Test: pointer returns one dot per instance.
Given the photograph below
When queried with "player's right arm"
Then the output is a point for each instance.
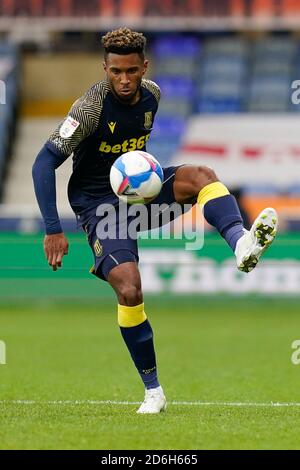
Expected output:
(81, 121)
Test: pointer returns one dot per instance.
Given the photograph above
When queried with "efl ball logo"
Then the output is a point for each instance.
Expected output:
(136, 177)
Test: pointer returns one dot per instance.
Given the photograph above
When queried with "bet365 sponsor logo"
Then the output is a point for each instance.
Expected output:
(129, 145)
(2, 353)
(295, 358)
(2, 92)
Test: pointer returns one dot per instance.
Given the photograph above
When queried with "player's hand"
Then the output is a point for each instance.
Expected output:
(55, 247)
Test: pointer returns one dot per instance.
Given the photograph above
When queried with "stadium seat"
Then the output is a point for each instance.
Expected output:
(169, 126)
(176, 46)
(226, 45)
(218, 105)
(163, 148)
(170, 107)
(175, 66)
(221, 67)
(275, 48)
(270, 94)
(179, 86)
(221, 75)
(175, 61)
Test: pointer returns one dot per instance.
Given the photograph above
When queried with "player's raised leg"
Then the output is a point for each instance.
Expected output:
(137, 332)
(200, 184)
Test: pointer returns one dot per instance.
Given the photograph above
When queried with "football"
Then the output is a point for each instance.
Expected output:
(136, 177)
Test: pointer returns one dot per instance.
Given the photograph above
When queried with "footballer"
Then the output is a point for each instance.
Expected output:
(115, 116)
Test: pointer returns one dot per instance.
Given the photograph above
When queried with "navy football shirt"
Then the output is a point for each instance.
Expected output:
(97, 130)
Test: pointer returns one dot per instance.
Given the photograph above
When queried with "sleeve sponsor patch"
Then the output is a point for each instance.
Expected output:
(68, 127)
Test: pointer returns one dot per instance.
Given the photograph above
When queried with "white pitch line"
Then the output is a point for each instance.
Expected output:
(125, 403)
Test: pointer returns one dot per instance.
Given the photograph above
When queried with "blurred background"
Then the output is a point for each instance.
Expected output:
(228, 72)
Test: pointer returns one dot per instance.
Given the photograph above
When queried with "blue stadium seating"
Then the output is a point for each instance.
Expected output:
(175, 62)
(176, 86)
(213, 105)
(269, 94)
(221, 76)
(168, 126)
(272, 67)
(176, 45)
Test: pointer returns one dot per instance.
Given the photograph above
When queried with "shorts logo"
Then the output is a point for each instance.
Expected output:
(98, 248)
(148, 120)
(112, 126)
(68, 127)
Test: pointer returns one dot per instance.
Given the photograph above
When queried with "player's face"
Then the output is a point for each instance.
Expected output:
(124, 74)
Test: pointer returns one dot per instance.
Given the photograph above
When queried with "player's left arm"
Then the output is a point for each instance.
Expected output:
(43, 173)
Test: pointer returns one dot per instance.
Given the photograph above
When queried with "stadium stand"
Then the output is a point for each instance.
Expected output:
(200, 73)
(222, 75)
(271, 74)
(9, 80)
(206, 8)
(175, 58)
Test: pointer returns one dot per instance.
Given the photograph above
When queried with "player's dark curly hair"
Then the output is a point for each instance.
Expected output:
(124, 41)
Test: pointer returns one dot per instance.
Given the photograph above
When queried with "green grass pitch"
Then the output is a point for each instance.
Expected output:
(230, 357)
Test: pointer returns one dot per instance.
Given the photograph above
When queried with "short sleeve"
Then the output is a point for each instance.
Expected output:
(152, 87)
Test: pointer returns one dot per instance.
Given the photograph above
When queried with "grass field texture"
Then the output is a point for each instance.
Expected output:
(222, 363)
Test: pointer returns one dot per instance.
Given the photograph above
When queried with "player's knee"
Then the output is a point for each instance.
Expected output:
(125, 279)
(199, 177)
(204, 176)
(129, 294)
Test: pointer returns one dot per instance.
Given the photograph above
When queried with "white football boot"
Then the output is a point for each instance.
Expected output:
(252, 245)
(154, 402)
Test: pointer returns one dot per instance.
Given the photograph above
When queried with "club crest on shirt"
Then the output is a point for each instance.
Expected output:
(68, 127)
(148, 120)
(98, 248)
